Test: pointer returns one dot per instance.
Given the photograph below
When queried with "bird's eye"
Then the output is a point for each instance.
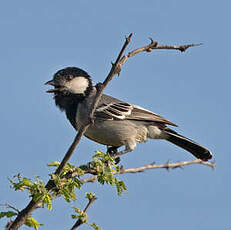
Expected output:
(69, 77)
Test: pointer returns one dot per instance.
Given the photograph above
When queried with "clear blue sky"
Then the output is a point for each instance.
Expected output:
(191, 89)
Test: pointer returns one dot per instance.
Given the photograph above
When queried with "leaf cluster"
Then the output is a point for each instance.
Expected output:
(65, 185)
(105, 168)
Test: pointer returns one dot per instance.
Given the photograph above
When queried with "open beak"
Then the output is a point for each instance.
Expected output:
(52, 90)
(52, 83)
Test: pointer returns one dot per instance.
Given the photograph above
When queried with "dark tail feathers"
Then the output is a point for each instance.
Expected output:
(197, 150)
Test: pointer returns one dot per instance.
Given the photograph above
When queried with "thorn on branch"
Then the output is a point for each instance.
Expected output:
(167, 165)
(152, 45)
(151, 40)
(185, 47)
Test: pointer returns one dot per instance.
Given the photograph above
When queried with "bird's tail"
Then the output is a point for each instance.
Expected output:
(197, 150)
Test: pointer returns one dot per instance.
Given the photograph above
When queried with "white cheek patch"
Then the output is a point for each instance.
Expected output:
(78, 85)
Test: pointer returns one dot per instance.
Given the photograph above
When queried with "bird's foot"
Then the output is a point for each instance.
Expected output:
(113, 152)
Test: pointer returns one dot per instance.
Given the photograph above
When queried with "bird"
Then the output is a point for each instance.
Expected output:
(116, 123)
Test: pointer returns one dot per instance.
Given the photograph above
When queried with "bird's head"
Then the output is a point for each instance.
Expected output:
(70, 85)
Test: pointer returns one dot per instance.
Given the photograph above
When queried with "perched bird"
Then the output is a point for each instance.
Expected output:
(116, 123)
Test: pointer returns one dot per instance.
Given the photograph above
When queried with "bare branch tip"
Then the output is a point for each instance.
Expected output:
(130, 35)
(151, 40)
(212, 164)
(185, 47)
(198, 44)
(128, 39)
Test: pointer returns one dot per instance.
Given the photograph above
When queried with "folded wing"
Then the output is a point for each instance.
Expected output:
(111, 109)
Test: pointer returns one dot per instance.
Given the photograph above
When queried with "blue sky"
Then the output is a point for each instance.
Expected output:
(191, 89)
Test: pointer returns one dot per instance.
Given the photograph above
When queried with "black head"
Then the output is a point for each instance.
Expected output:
(71, 85)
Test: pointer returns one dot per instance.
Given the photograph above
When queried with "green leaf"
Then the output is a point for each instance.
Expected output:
(36, 197)
(47, 200)
(73, 195)
(31, 222)
(96, 227)
(79, 211)
(120, 186)
(105, 167)
(74, 216)
(54, 164)
(27, 182)
(8, 214)
(90, 195)
(66, 195)
(77, 183)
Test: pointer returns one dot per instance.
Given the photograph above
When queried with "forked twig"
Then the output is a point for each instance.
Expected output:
(79, 221)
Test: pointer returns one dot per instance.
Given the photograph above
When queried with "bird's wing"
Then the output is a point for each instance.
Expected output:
(113, 109)
(139, 113)
(120, 110)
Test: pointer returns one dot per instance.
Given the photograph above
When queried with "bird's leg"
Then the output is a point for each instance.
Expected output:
(112, 151)
(118, 154)
(130, 145)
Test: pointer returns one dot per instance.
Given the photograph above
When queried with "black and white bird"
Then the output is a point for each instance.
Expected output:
(116, 123)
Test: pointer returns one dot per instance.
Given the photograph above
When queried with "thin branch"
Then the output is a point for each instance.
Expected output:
(155, 46)
(166, 166)
(71, 149)
(8, 224)
(10, 206)
(79, 221)
(116, 68)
